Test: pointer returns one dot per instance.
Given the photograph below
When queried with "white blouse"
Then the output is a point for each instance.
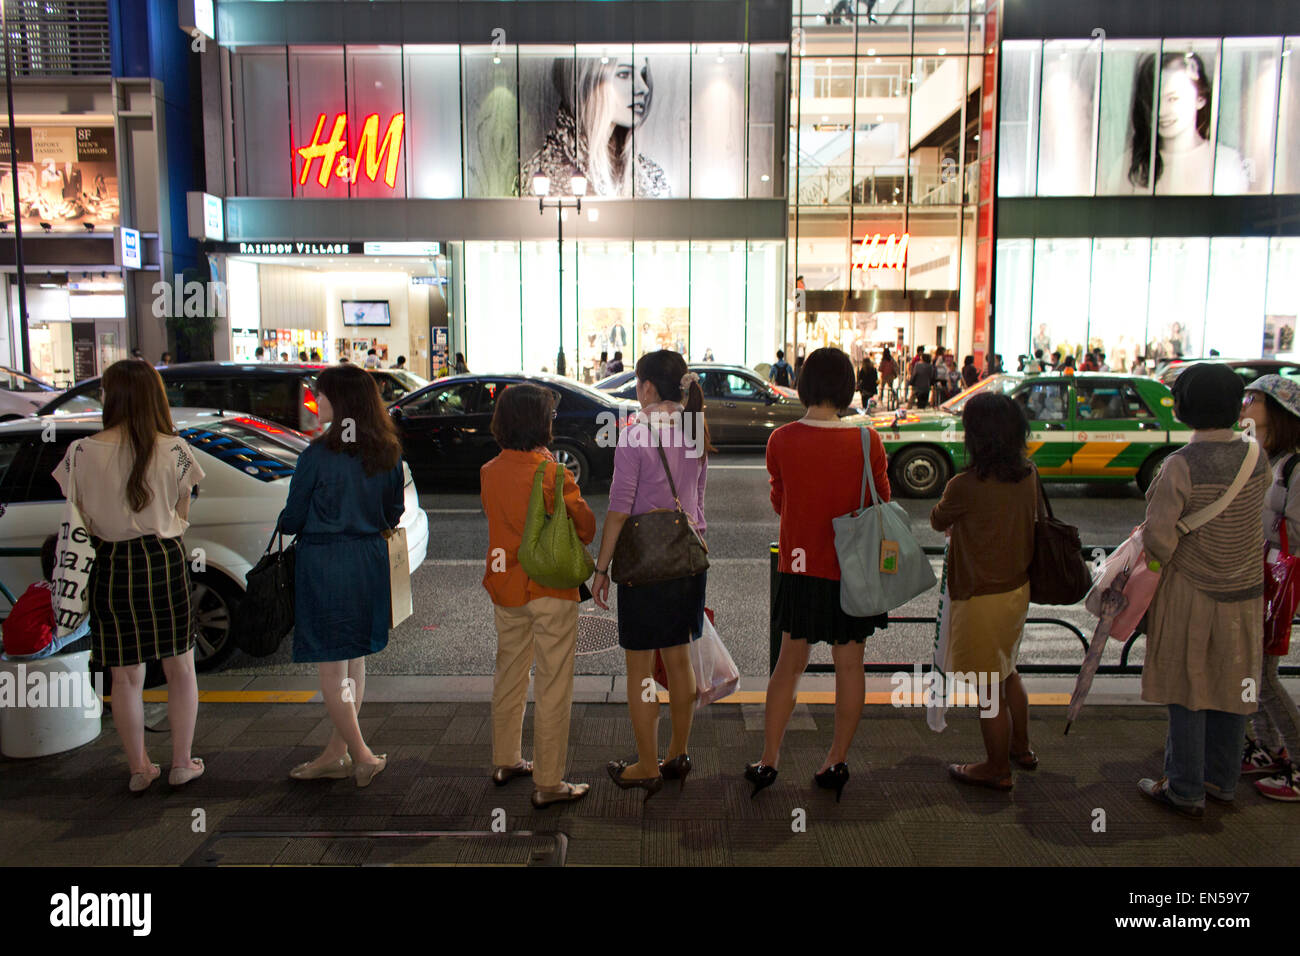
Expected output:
(101, 469)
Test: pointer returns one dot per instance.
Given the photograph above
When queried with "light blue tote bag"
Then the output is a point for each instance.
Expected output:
(881, 565)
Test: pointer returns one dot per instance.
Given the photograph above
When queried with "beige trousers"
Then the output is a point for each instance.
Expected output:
(544, 631)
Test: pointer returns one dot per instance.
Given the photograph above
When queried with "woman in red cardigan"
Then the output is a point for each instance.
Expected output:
(816, 467)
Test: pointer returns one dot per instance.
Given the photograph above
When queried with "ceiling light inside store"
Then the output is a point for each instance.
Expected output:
(593, 214)
(764, 178)
(943, 51)
(880, 117)
(496, 59)
(871, 51)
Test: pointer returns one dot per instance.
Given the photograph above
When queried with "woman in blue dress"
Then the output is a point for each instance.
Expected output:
(345, 492)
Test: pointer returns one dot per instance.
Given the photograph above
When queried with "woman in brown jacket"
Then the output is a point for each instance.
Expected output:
(995, 499)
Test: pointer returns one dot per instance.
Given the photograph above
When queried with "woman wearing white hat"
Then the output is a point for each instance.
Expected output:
(1272, 403)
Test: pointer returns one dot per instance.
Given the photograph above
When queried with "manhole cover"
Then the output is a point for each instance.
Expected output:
(596, 634)
(380, 848)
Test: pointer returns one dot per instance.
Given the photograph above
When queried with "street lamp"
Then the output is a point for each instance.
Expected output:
(542, 188)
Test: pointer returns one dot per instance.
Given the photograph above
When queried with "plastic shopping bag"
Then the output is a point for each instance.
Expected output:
(716, 675)
(936, 702)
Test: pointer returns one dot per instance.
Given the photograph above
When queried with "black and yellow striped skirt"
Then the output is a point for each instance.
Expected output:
(139, 601)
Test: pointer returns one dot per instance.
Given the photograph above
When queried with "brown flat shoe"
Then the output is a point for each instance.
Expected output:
(959, 772)
(1025, 761)
(568, 793)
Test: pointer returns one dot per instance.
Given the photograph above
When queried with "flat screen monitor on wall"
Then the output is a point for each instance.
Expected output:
(366, 312)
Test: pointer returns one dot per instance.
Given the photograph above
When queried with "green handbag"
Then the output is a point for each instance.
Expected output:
(551, 552)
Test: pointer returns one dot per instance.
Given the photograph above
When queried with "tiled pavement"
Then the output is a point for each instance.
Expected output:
(435, 801)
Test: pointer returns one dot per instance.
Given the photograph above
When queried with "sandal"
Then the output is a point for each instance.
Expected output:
(1025, 761)
(568, 793)
(503, 775)
(959, 772)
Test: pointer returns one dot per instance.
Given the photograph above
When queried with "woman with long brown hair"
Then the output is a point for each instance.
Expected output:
(132, 483)
(346, 491)
(661, 463)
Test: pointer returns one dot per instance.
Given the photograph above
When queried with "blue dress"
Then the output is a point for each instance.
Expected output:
(338, 513)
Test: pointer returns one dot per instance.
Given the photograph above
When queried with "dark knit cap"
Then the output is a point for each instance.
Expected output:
(1208, 395)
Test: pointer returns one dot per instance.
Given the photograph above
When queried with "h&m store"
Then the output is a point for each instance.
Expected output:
(378, 163)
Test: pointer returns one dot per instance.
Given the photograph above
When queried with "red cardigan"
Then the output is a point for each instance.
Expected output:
(816, 476)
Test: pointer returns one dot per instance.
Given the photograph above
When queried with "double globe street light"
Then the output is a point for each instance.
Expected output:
(541, 189)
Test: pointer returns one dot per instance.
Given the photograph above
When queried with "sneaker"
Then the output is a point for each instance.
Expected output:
(1284, 787)
(1256, 758)
(1158, 790)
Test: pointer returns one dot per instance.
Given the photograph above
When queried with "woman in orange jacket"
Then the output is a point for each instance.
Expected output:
(536, 625)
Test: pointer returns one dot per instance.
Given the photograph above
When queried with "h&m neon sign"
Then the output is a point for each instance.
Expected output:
(371, 152)
(879, 252)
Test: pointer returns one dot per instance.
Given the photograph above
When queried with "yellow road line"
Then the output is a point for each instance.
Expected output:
(740, 697)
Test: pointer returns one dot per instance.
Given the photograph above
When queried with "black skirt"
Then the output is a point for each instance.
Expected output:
(663, 614)
(808, 609)
(139, 601)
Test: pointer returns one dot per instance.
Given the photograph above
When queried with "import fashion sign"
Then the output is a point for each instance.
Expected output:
(67, 176)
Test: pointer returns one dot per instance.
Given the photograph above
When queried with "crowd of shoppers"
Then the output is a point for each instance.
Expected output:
(134, 481)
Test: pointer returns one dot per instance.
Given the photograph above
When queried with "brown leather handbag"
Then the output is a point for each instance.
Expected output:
(659, 545)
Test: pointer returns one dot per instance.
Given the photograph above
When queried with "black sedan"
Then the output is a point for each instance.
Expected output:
(447, 436)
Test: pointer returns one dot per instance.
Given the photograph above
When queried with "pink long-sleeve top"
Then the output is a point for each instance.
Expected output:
(639, 482)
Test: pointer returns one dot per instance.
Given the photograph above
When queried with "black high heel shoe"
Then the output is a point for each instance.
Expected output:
(833, 778)
(651, 785)
(676, 769)
(761, 776)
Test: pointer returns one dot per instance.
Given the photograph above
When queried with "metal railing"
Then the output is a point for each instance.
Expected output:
(1123, 668)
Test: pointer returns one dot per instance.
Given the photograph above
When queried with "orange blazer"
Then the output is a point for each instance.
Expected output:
(505, 484)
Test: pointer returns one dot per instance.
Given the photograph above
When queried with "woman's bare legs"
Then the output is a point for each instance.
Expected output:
(342, 706)
(850, 694)
(996, 730)
(782, 687)
(128, 715)
(681, 697)
(644, 713)
(182, 707)
(1017, 701)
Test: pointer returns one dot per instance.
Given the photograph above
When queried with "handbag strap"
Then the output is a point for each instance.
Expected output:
(1045, 503)
(672, 485)
(868, 479)
(1212, 511)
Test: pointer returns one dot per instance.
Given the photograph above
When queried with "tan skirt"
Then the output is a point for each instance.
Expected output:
(986, 631)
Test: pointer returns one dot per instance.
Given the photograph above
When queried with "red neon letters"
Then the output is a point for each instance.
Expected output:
(876, 252)
(370, 154)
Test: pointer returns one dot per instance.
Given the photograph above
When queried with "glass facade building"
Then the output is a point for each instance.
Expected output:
(886, 105)
(1147, 187)
(388, 139)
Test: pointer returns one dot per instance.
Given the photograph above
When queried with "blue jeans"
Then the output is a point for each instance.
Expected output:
(55, 645)
(1203, 746)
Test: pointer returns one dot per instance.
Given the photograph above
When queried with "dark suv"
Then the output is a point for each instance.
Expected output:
(281, 393)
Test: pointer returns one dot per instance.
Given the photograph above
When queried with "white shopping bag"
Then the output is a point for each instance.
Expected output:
(716, 675)
(73, 560)
(399, 576)
(936, 701)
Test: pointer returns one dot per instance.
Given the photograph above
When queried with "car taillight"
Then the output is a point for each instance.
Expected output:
(309, 400)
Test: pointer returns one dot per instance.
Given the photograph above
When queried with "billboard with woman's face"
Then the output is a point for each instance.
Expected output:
(1162, 117)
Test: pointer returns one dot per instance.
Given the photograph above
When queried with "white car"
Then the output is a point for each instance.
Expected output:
(21, 395)
(247, 463)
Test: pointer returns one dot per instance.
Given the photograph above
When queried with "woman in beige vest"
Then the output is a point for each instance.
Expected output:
(1205, 624)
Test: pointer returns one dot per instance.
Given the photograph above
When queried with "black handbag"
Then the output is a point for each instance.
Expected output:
(265, 615)
(1057, 574)
(658, 545)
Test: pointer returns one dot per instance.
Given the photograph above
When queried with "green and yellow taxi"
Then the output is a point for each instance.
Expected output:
(1087, 427)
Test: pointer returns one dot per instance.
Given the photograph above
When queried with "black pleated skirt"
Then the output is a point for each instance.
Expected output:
(808, 609)
(663, 614)
(139, 601)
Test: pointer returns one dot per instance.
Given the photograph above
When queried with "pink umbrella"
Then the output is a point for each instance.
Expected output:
(1113, 602)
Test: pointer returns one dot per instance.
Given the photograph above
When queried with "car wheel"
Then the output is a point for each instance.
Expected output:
(1150, 468)
(921, 472)
(574, 460)
(214, 599)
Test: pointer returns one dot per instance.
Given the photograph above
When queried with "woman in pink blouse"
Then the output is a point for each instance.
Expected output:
(668, 439)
